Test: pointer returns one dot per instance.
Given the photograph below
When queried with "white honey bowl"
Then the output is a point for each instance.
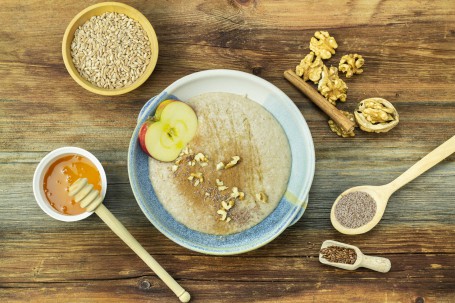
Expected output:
(38, 179)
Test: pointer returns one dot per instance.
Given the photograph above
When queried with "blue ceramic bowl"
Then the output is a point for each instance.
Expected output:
(291, 206)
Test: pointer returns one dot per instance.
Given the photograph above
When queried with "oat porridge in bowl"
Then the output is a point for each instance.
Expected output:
(242, 179)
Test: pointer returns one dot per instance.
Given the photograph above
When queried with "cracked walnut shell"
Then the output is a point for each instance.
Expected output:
(310, 68)
(338, 130)
(351, 64)
(376, 115)
(323, 45)
(331, 86)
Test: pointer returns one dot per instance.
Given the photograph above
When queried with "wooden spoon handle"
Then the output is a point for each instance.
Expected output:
(121, 231)
(331, 111)
(434, 157)
(376, 263)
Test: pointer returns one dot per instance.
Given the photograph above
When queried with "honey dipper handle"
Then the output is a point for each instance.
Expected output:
(331, 111)
(121, 231)
(434, 157)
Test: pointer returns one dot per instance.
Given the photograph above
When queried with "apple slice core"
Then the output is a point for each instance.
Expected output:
(159, 145)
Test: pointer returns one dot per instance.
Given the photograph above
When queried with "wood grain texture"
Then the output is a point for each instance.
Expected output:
(409, 48)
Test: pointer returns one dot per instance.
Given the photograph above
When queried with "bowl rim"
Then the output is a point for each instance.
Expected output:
(168, 92)
(39, 175)
(146, 25)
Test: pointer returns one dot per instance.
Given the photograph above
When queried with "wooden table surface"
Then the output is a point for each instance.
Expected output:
(409, 48)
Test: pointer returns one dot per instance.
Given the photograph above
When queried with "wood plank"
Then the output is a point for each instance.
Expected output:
(138, 290)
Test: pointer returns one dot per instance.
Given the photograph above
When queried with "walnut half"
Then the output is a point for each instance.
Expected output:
(310, 68)
(323, 45)
(376, 115)
(331, 86)
(351, 64)
(338, 130)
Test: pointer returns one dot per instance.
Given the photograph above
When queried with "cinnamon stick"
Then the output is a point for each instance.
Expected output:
(334, 113)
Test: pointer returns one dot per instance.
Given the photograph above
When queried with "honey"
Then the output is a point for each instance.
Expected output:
(64, 172)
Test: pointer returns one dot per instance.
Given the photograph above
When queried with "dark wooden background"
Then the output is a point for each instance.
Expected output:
(409, 48)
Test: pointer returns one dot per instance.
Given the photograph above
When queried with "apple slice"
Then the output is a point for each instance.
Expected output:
(173, 127)
(160, 108)
(142, 133)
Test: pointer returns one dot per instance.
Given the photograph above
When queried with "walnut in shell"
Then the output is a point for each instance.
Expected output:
(323, 45)
(310, 68)
(376, 115)
(331, 86)
(351, 64)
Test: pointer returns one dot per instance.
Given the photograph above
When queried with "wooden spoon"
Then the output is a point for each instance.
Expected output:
(375, 263)
(91, 200)
(381, 194)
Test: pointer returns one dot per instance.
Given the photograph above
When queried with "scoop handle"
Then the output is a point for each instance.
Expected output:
(376, 263)
(121, 231)
(434, 157)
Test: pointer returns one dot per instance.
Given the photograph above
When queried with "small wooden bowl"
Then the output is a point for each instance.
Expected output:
(97, 10)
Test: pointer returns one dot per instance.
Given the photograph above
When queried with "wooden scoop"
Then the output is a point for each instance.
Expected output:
(91, 200)
(374, 263)
(381, 194)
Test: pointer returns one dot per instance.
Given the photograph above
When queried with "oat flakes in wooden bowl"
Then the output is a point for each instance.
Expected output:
(110, 48)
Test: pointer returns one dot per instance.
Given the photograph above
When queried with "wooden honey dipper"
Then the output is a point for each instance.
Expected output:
(91, 200)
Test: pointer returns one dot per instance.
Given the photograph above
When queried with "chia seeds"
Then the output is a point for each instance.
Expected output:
(355, 209)
(339, 254)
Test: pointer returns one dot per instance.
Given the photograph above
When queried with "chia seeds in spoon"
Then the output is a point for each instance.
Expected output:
(355, 209)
